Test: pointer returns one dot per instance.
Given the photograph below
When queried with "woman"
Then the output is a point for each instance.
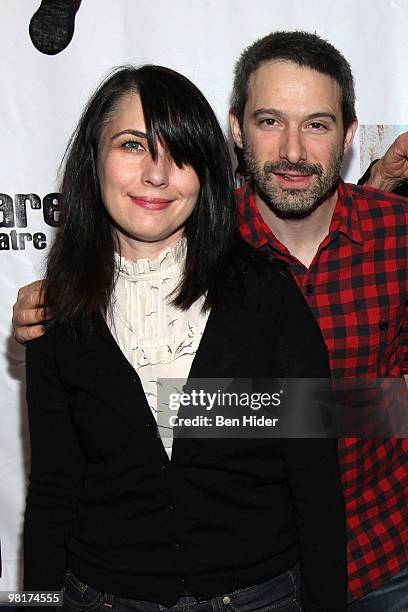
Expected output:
(149, 278)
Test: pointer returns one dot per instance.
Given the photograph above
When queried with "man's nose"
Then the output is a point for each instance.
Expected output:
(292, 146)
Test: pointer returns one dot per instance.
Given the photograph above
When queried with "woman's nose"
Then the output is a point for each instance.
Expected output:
(156, 171)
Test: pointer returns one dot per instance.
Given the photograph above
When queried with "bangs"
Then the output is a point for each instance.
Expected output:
(177, 118)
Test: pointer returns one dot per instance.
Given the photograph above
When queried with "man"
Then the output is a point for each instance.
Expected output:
(293, 116)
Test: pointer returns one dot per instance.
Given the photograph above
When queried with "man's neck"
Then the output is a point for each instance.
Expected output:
(302, 237)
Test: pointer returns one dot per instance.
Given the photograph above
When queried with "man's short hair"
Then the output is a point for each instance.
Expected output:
(302, 48)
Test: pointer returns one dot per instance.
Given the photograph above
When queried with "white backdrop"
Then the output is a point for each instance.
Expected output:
(41, 97)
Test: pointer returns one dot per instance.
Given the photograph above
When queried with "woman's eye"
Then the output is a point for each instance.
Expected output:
(133, 145)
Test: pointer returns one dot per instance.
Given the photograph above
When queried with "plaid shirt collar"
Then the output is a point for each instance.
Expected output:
(345, 219)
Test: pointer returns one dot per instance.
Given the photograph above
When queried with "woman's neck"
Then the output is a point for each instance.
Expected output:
(133, 250)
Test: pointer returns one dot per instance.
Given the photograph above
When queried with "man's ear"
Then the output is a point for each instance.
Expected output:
(349, 135)
(235, 129)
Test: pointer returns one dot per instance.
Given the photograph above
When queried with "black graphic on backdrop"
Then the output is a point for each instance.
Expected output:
(52, 25)
(13, 214)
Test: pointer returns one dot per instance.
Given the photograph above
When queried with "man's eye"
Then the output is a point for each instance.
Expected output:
(316, 125)
(268, 122)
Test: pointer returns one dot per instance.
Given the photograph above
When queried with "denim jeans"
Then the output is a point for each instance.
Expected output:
(279, 593)
(390, 597)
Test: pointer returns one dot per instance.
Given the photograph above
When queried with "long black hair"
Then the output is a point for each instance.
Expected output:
(80, 272)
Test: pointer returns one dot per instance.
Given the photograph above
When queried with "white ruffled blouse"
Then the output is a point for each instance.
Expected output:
(158, 339)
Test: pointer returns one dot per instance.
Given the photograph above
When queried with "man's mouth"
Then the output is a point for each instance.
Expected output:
(289, 180)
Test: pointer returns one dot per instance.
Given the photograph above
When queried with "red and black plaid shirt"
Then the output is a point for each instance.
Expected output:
(356, 286)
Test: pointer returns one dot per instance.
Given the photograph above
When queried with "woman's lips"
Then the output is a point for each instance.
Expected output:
(294, 181)
(151, 203)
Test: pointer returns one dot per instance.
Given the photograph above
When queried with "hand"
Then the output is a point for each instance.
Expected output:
(393, 167)
(29, 312)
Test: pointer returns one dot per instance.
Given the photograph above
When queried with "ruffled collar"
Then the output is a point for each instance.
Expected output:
(171, 258)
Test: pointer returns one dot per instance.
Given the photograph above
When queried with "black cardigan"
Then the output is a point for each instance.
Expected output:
(105, 501)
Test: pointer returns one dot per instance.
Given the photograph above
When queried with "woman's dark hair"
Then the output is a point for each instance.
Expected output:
(302, 48)
(80, 273)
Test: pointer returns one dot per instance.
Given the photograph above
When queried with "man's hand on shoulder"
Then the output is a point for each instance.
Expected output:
(29, 312)
(392, 168)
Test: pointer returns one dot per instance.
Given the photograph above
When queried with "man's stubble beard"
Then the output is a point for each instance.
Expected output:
(293, 203)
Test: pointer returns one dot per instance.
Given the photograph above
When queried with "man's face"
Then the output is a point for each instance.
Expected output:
(292, 136)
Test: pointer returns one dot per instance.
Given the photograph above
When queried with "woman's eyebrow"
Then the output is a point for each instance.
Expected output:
(133, 132)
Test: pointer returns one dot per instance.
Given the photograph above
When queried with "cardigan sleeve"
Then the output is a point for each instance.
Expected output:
(56, 469)
(312, 464)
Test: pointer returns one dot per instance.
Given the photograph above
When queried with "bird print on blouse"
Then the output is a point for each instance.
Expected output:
(158, 339)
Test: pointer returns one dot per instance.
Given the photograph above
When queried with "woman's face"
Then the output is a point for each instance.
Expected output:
(149, 201)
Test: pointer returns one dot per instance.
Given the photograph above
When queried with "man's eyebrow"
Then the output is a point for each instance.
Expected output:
(277, 113)
(322, 116)
(268, 111)
(132, 132)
